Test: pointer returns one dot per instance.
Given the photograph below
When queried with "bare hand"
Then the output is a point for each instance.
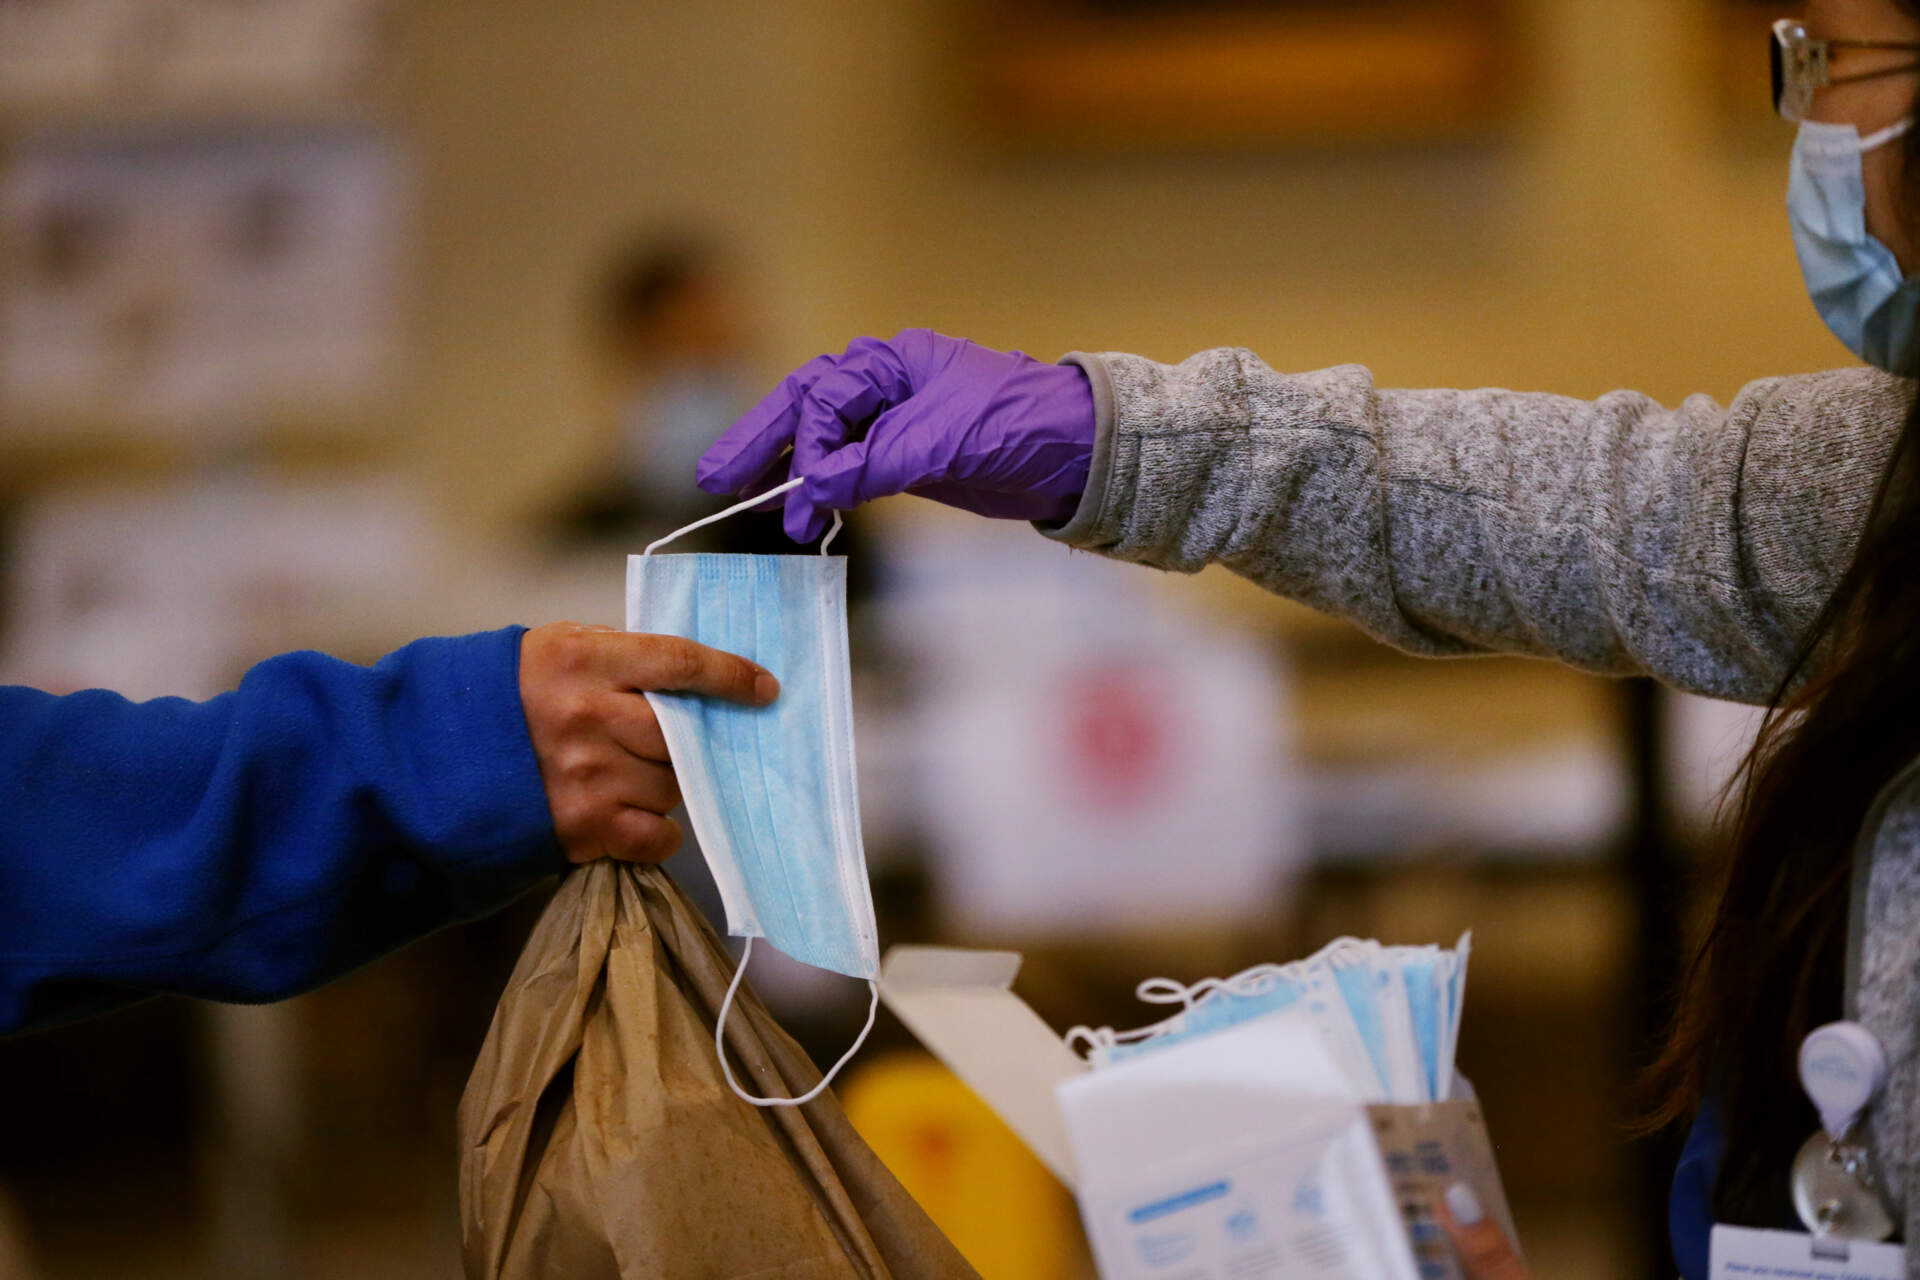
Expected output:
(1485, 1252)
(602, 756)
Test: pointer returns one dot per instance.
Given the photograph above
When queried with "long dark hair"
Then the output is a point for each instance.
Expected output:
(1843, 721)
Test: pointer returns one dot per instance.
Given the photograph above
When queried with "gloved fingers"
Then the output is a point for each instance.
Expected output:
(776, 474)
(893, 458)
(868, 379)
(752, 447)
(829, 489)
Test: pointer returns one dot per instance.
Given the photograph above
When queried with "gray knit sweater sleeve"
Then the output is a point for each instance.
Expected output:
(1693, 544)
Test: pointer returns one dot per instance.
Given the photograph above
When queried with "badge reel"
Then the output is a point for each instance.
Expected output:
(1842, 1069)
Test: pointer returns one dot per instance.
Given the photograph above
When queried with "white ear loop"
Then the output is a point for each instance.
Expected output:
(719, 1045)
(832, 532)
(1097, 1042)
(1880, 138)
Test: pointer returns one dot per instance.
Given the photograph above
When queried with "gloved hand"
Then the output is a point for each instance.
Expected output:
(993, 432)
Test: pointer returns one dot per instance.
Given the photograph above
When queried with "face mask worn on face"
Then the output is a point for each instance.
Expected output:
(671, 420)
(1854, 280)
(770, 790)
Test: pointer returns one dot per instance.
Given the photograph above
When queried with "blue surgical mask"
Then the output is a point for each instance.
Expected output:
(770, 790)
(1854, 280)
(1214, 1004)
(1390, 1016)
(1420, 971)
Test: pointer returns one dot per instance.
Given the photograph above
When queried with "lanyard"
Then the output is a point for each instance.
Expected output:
(1843, 1069)
(1863, 875)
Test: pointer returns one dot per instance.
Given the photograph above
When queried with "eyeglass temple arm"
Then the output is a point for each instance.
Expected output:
(1875, 75)
(1871, 44)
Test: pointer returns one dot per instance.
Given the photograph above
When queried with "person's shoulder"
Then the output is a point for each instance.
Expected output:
(1813, 448)
(1848, 390)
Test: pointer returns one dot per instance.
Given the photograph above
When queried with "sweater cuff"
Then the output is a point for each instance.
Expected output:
(496, 828)
(1078, 530)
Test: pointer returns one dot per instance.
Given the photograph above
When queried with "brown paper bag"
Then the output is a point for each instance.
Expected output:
(598, 1138)
(13, 1243)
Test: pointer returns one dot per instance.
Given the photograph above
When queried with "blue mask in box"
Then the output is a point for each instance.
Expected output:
(770, 790)
(1219, 1006)
(1420, 971)
(1375, 1006)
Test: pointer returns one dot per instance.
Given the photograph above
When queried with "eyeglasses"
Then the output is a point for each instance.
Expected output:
(1800, 65)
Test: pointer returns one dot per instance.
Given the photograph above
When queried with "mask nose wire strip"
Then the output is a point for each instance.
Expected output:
(719, 1045)
(733, 510)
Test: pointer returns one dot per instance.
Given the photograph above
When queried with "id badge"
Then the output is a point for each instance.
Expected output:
(1744, 1253)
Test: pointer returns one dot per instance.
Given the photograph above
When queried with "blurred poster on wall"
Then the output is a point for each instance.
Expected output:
(1706, 742)
(1090, 757)
(199, 284)
(1211, 74)
(1733, 71)
(177, 589)
(61, 50)
(137, 53)
(219, 49)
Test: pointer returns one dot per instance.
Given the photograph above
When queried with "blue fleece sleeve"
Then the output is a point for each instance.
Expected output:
(258, 844)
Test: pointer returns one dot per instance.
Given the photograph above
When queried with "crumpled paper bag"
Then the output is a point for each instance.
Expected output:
(598, 1138)
(13, 1243)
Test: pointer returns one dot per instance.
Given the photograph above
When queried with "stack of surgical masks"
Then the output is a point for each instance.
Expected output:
(1390, 1016)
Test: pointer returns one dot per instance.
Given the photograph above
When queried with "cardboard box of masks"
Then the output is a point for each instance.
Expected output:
(1241, 1154)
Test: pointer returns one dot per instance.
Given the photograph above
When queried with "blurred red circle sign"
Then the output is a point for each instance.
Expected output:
(1118, 734)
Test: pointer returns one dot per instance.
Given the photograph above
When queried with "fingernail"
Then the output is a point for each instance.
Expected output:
(1464, 1205)
(765, 687)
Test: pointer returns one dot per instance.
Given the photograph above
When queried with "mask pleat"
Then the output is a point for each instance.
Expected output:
(825, 919)
(794, 861)
(732, 597)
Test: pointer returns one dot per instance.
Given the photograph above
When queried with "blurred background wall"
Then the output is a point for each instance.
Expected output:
(1625, 230)
(1618, 222)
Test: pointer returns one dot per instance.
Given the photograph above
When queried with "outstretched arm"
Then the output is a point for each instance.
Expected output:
(1694, 544)
(260, 843)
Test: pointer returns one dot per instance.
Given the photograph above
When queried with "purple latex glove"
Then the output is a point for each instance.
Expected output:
(993, 432)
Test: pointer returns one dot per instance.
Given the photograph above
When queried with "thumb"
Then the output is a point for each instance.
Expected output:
(904, 449)
(1485, 1252)
(895, 455)
(832, 484)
